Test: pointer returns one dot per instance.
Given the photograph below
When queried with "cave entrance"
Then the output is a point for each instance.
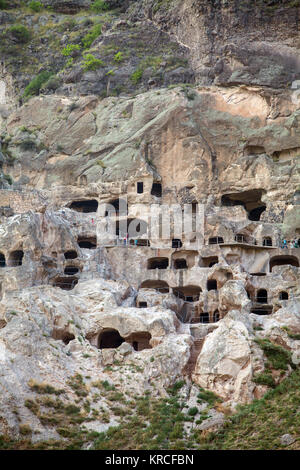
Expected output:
(71, 254)
(158, 263)
(250, 200)
(176, 243)
(84, 206)
(262, 311)
(110, 339)
(65, 283)
(156, 189)
(187, 293)
(139, 340)
(71, 270)
(262, 296)
(180, 263)
(16, 258)
(143, 304)
(283, 295)
(87, 242)
(212, 284)
(204, 317)
(64, 336)
(267, 241)
(140, 187)
(215, 240)
(216, 316)
(160, 286)
(2, 261)
(283, 260)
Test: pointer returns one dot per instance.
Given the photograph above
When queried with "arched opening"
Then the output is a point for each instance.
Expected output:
(16, 258)
(158, 263)
(267, 241)
(176, 243)
(240, 238)
(212, 284)
(262, 311)
(140, 187)
(71, 270)
(180, 264)
(156, 190)
(256, 213)
(160, 286)
(209, 261)
(283, 260)
(283, 295)
(65, 283)
(87, 242)
(84, 206)
(71, 254)
(215, 240)
(204, 317)
(187, 293)
(262, 296)
(2, 261)
(139, 340)
(250, 200)
(216, 316)
(110, 339)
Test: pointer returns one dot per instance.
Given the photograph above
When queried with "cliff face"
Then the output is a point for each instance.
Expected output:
(160, 103)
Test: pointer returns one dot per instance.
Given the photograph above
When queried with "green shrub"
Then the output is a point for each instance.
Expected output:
(3, 4)
(52, 84)
(265, 378)
(35, 6)
(90, 37)
(99, 5)
(118, 57)
(67, 51)
(278, 357)
(136, 76)
(91, 62)
(193, 411)
(33, 88)
(20, 33)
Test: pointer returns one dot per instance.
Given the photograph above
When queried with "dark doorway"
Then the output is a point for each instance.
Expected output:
(216, 316)
(158, 263)
(176, 243)
(65, 283)
(215, 240)
(143, 304)
(180, 264)
(16, 258)
(71, 254)
(85, 206)
(140, 187)
(256, 213)
(160, 286)
(267, 241)
(2, 260)
(262, 296)
(71, 270)
(156, 189)
(283, 295)
(110, 338)
(87, 242)
(204, 317)
(212, 284)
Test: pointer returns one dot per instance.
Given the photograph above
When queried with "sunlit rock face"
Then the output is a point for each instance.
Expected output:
(76, 298)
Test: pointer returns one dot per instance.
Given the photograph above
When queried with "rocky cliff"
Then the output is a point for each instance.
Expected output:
(155, 103)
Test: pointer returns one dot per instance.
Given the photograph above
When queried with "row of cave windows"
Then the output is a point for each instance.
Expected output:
(239, 238)
(111, 339)
(15, 258)
(91, 205)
